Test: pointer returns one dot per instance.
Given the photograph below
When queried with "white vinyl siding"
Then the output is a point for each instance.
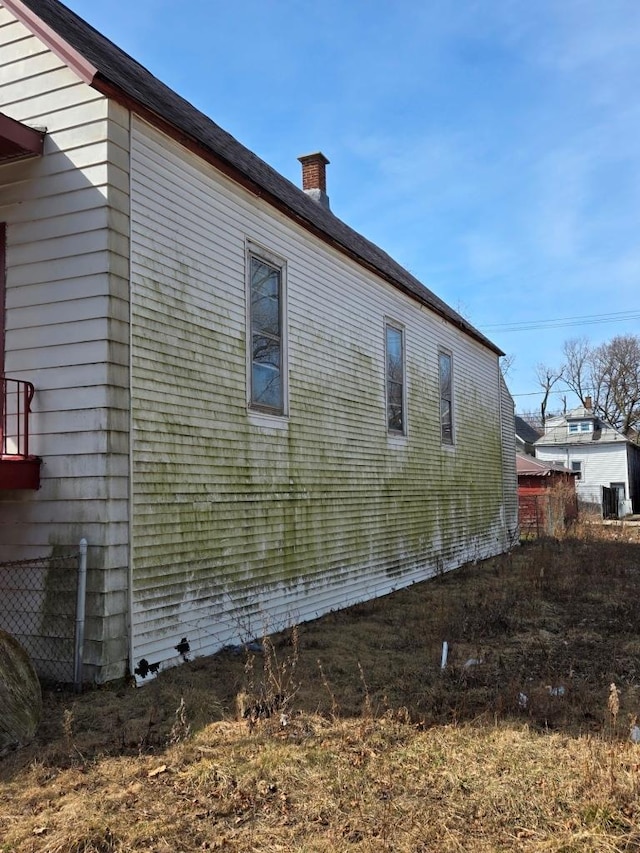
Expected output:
(241, 526)
(600, 465)
(67, 328)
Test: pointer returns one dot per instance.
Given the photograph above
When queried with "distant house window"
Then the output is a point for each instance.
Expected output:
(266, 339)
(446, 398)
(394, 345)
(576, 467)
(581, 426)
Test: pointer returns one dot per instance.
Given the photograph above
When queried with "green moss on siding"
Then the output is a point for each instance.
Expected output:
(222, 505)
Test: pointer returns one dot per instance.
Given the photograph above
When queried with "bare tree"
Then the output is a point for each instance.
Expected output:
(506, 363)
(576, 370)
(609, 374)
(547, 378)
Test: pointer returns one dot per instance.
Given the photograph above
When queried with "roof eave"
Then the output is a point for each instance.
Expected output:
(18, 141)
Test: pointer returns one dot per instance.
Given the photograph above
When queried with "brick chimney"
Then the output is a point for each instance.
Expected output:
(314, 178)
(588, 403)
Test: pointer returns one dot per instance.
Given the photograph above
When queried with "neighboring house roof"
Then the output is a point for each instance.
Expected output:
(525, 432)
(531, 467)
(114, 73)
(557, 432)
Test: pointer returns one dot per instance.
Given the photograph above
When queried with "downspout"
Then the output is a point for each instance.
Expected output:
(130, 623)
(78, 652)
(502, 462)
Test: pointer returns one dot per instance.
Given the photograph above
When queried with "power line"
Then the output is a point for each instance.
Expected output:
(563, 322)
(537, 393)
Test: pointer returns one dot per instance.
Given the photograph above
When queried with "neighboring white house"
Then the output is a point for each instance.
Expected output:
(253, 414)
(599, 455)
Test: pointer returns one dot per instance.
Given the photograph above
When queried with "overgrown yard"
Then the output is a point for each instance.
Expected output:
(346, 735)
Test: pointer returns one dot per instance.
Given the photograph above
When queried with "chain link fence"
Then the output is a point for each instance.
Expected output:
(38, 600)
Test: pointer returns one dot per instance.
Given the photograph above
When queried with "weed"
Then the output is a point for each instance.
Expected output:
(335, 708)
(181, 728)
(272, 691)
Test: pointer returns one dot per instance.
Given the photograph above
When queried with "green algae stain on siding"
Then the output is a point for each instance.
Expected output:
(226, 507)
(236, 505)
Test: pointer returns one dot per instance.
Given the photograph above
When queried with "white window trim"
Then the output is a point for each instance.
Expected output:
(257, 415)
(447, 445)
(398, 327)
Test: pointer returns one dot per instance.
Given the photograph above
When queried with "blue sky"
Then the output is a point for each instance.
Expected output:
(490, 146)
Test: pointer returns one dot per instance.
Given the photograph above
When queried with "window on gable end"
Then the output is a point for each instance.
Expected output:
(394, 346)
(266, 338)
(445, 363)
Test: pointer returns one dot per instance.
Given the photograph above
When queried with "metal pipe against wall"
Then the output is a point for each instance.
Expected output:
(78, 652)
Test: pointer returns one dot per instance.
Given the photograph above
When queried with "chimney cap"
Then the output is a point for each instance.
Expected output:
(317, 156)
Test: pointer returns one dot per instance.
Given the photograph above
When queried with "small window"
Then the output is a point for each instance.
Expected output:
(394, 343)
(576, 467)
(446, 398)
(266, 341)
(573, 427)
(585, 426)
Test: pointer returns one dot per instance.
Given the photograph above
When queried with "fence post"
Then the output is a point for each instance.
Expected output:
(78, 652)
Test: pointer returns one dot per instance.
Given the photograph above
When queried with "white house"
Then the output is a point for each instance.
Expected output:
(253, 414)
(599, 455)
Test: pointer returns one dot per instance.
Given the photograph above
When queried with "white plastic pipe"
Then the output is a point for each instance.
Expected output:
(78, 652)
(445, 654)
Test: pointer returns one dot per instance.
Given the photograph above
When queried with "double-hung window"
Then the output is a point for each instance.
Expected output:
(445, 366)
(267, 350)
(394, 346)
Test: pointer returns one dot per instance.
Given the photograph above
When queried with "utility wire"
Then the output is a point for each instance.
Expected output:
(584, 320)
(541, 391)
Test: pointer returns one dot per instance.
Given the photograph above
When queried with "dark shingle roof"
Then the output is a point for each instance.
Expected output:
(525, 431)
(118, 70)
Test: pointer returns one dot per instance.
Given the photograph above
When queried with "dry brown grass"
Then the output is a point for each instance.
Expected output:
(350, 737)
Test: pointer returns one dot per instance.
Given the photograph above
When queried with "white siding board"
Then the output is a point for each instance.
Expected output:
(68, 202)
(58, 355)
(48, 229)
(59, 312)
(47, 292)
(57, 249)
(204, 546)
(93, 177)
(16, 48)
(18, 73)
